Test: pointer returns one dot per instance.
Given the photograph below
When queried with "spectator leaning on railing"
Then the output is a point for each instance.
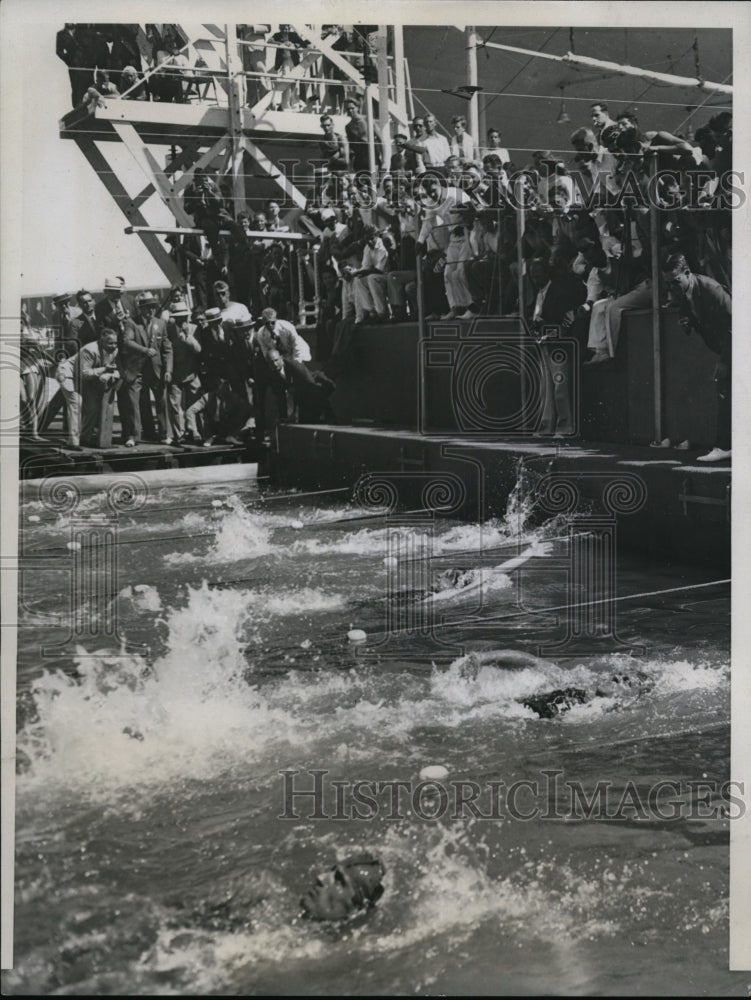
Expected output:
(707, 309)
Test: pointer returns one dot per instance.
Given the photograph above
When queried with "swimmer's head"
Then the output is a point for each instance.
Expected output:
(347, 888)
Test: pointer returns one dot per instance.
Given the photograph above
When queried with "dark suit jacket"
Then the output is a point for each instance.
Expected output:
(566, 292)
(65, 47)
(105, 312)
(84, 329)
(134, 353)
(186, 354)
(218, 357)
(710, 312)
(293, 42)
(567, 231)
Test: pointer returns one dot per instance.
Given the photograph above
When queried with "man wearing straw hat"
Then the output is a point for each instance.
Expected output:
(145, 363)
(112, 310)
(185, 386)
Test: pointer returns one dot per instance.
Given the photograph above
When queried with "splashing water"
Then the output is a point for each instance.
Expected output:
(151, 850)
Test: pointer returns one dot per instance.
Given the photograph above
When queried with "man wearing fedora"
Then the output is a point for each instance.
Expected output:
(217, 353)
(185, 387)
(113, 309)
(223, 407)
(145, 363)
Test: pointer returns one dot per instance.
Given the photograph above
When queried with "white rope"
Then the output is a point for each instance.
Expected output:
(603, 600)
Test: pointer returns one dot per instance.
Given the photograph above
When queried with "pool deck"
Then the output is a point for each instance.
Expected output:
(48, 456)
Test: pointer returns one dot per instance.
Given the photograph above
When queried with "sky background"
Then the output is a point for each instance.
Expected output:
(72, 232)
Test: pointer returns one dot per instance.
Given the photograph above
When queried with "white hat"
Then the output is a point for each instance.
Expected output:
(114, 283)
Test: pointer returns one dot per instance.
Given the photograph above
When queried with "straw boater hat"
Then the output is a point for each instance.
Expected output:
(179, 309)
(117, 283)
(213, 315)
(146, 299)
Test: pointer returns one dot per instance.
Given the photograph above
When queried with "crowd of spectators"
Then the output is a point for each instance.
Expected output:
(451, 211)
(171, 374)
(157, 63)
(443, 214)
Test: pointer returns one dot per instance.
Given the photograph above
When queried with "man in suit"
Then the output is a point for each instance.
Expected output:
(223, 406)
(112, 310)
(185, 387)
(706, 308)
(217, 350)
(69, 46)
(84, 329)
(83, 379)
(557, 298)
(145, 363)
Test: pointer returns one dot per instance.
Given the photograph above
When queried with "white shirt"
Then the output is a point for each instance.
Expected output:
(437, 149)
(498, 151)
(463, 146)
(234, 311)
(283, 338)
(376, 257)
(540, 302)
(451, 199)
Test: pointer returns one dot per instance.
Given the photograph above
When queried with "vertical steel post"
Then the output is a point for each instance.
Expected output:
(371, 132)
(235, 104)
(471, 36)
(399, 75)
(520, 224)
(420, 295)
(382, 63)
(654, 232)
(410, 96)
(498, 262)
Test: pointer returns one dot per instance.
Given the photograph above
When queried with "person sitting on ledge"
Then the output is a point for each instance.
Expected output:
(706, 308)
(370, 280)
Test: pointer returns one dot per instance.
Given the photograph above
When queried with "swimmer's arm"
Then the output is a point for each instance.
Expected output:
(537, 549)
(509, 657)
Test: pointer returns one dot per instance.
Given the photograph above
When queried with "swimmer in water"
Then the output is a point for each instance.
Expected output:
(454, 583)
(624, 688)
(350, 887)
